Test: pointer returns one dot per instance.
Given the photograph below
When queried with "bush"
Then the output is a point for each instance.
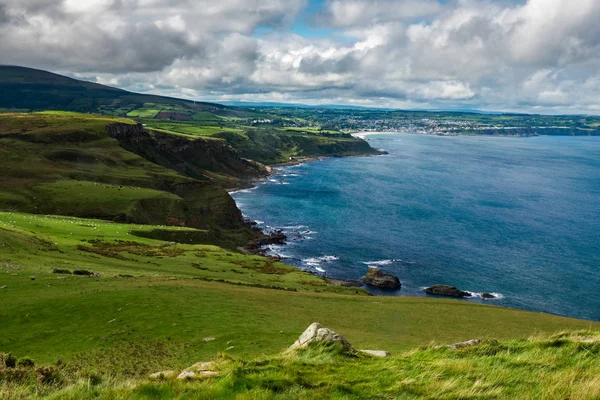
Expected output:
(61, 271)
(7, 360)
(26, 362)
(83, 272)
(15, 375)
(48, 375)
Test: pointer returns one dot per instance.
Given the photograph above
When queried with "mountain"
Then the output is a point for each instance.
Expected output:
(34, 90)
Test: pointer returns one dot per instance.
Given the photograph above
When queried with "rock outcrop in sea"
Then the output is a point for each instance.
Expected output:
(378, 278)
(447, 290)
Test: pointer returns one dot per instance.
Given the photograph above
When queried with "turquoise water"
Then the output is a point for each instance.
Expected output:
(519, 217)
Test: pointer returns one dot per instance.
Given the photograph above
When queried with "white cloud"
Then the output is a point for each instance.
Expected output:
(504, 54)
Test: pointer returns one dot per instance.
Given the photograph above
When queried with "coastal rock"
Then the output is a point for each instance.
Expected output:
(376, 277)
(446, 290)
(376, 353)
(163, 375)
(462, 345)
(317, 333)
(487, 296)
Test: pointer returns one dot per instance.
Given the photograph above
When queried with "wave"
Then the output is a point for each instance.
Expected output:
(380, 263)
(274, 250)
(477, 295)
(248, 190)
(316, 261)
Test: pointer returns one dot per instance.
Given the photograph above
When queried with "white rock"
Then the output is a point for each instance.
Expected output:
(468, 343)
(376, 353)
(200, 366)
(317, 333)
(163, 375)
(186, 375)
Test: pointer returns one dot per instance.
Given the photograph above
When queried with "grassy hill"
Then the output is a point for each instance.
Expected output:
(25, 90)
(35, 90)
(120, 256)
(61, 163)
(152, 305)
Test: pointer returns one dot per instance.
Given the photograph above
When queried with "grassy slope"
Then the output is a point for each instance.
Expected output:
(56, 316)
(64, 163)
(564, 366)
(27, 89)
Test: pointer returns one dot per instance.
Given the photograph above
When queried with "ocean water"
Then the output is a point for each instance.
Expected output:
(519, 217)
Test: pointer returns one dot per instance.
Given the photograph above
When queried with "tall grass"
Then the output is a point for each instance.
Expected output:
(563, 366)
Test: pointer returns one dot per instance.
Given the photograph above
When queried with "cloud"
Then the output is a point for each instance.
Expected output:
(519, 55)
(350, 13)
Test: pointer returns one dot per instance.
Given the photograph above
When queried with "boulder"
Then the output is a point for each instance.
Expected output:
(378, 278)
(200, 366)
(446, 290)
(462, 345)
(186, 375)
(163, 375)
(317, 333)
(487, 296)
(376, 353)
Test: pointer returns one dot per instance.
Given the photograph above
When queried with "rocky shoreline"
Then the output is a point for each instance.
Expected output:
(374, 277)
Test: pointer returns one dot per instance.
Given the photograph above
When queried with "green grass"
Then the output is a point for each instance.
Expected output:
(193, 129)
(180, 293)
(65, 163)
(544, 367)
(143, 113)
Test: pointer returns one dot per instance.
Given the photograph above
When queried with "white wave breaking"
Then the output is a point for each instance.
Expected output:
(380, 263)
(317, 261)
(477, 295)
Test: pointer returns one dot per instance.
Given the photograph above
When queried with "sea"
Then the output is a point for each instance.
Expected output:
(518, 217)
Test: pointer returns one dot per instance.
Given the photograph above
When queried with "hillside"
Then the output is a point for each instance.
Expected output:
(53, 163)
(116, 305)
(121, 255)
(29, 89)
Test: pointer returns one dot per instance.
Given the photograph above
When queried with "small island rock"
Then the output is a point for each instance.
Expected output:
(487, 296)
(378, 278)
(446, 290)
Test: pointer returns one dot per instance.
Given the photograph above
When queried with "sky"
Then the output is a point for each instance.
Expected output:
(504, 55)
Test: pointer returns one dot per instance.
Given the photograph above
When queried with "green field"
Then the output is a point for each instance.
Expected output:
(151, 303)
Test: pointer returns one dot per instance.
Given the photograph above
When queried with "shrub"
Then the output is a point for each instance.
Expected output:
(61, 271)
(7, 360)
(15, 375)
(48, 374)
(83, 272)
(26, 362)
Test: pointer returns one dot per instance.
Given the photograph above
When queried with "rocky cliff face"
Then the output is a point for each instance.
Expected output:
(212, 165)
(202, 159)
